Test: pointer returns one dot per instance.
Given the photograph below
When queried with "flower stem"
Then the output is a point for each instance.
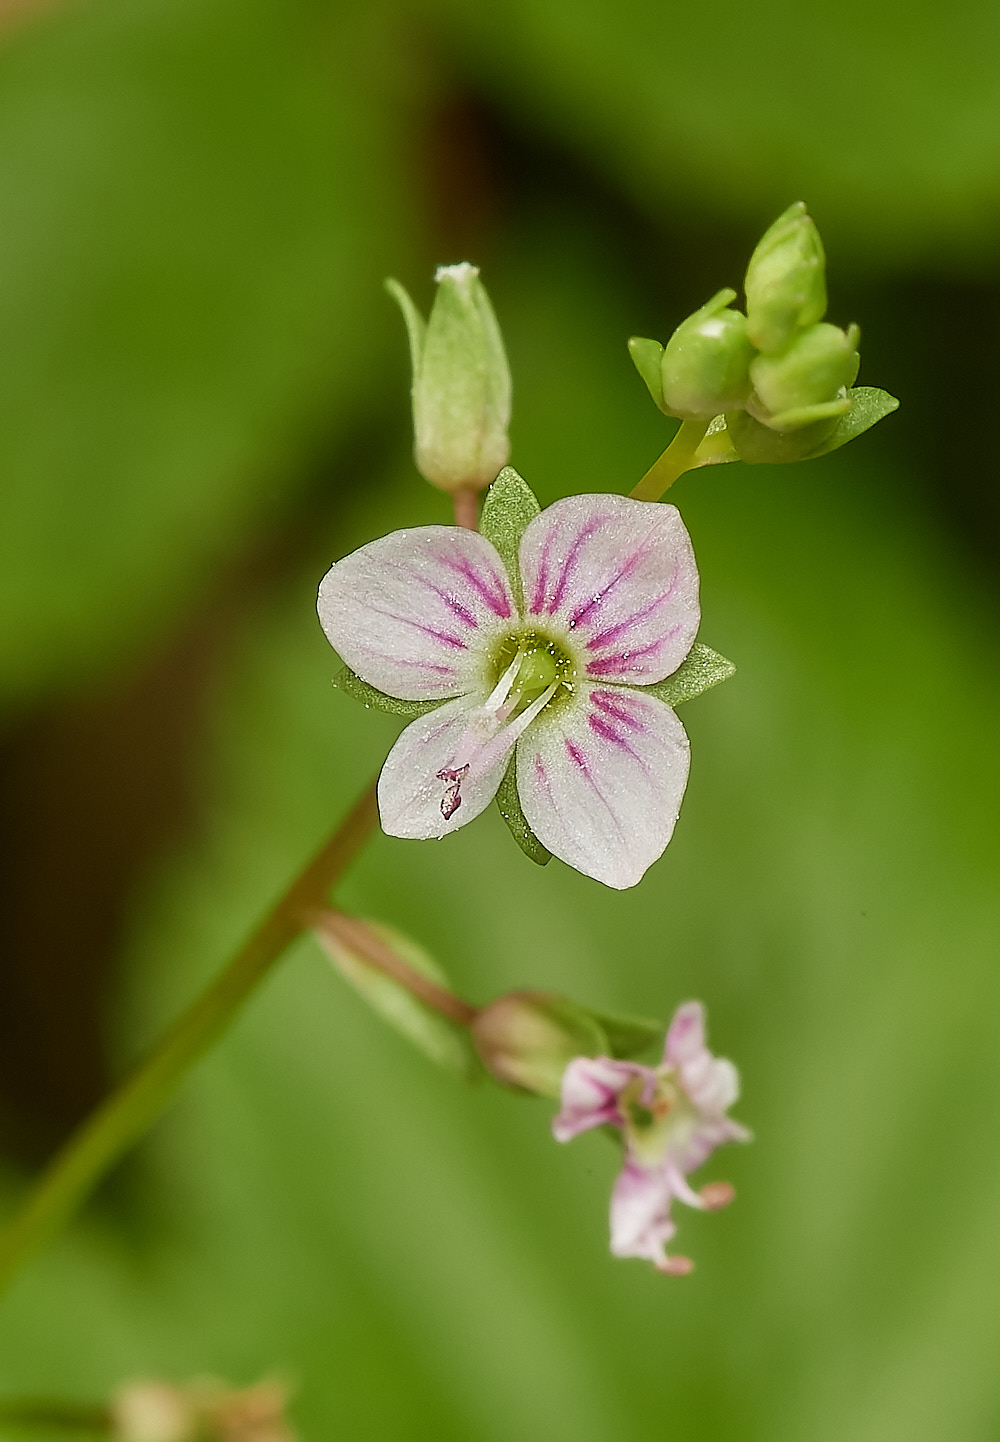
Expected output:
(466, 503)
(356, 936)
(67, 1417)
(131, 1109)
(676, 459)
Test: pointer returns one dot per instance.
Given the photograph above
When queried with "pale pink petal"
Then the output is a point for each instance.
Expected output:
(711, 1082)
(686, 1033)
(693, 1149)
(417, 612)
(590, 1088)
(640, 1213)
(618, 577)
(434, 779)
(601, 779)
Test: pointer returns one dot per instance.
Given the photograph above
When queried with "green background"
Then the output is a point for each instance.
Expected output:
(203, 402)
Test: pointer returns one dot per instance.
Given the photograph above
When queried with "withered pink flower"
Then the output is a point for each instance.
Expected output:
(548, 665)
(672, 1117)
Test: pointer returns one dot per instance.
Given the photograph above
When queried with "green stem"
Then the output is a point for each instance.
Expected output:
(127, 1113)
(355, 935)
(676, 459)
(29, 1413)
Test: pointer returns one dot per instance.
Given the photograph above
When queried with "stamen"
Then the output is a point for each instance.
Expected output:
(452, 798)
(716, 1195)
(487, 738)
(676, 1266)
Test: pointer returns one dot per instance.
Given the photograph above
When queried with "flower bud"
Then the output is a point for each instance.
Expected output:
(807, 381)
(705, 364)
(527, 1039)
(152, 1411)
(785, 281)
(461, 382)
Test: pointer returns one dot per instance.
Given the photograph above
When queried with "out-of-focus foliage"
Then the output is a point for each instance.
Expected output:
(421, 1257)
(886, 116)
(195, 224)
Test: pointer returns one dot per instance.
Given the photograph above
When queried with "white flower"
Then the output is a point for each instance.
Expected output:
(673, 1117)
(610, 605)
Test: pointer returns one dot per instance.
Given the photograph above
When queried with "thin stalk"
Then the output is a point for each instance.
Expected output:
(356, 936)
(29, 1412)
(131, 1109)
(676, 459)
(466, 503)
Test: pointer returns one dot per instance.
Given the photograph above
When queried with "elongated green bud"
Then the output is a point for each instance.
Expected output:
(705, 365)
(808, 380)
(461, 382)
(785, 281)
(527, 1039)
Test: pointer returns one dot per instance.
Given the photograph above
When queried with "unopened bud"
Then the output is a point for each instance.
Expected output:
(807, 381)
(527, 1039)
(461, 382)
(716, 1195)
(786, 280)
(152, 1412)
(705, 365)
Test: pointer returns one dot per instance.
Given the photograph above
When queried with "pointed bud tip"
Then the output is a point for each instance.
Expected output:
(717, 1195)
(462, 271)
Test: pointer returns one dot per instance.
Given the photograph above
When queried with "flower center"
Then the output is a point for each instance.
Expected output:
(651, 1111)
(542, 662)
(530, 672)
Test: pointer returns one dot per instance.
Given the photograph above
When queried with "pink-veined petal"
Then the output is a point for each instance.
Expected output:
(415, 613)
(693, 1149)
(619, 578)
(415, 799)
(640, 1213)
(590, 1088)
(711, 1082)
(601, 779)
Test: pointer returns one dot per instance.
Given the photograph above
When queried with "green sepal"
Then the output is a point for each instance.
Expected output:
(347, 680)
(509, 806)
(509, 507)
(869, 405)
(759, 445)
(628, 1036)
(716, 447)
(701, 669)
(647, 357)
(442, 1041)
(416, 326)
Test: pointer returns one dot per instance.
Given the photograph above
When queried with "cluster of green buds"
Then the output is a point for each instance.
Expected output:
(776, 383)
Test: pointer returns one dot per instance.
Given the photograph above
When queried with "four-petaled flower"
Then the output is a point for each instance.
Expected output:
(550, 659)
(673, 1117)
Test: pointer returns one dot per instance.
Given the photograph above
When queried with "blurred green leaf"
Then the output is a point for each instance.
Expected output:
(629, 1036)
(828, 105)
(196, 221)
(446, 1044)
